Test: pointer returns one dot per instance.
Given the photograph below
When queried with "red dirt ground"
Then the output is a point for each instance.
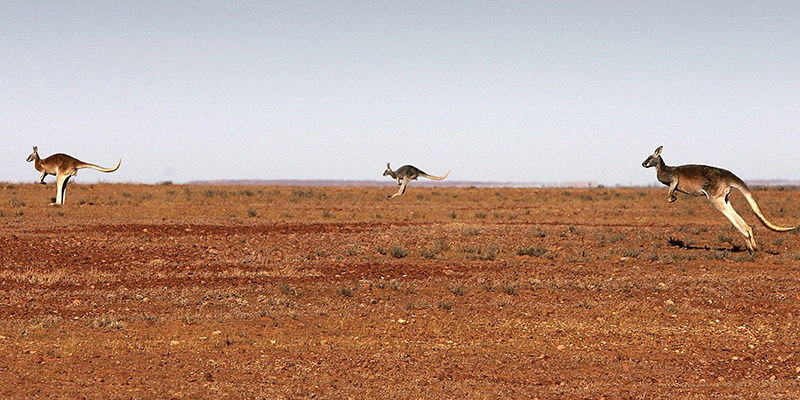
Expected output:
(171, 291)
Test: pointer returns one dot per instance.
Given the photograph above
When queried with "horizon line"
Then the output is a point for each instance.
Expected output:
(391, 183)
(483, 184)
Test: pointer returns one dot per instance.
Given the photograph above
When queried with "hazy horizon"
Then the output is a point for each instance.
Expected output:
(501, 91)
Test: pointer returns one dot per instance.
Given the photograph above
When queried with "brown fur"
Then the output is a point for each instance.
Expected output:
(714, 183)
(63, 167)
(408, 173)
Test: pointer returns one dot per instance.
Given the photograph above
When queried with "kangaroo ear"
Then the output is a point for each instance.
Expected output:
(658, 151)
(35, 149)
(389, 165)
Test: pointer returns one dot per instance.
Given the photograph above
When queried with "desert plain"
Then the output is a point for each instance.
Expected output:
(271, 292)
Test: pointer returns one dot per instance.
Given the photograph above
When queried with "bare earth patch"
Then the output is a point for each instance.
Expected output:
(172, 291)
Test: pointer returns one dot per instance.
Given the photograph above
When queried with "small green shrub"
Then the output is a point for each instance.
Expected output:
(458, 289)
(534, 251)
(508, 288)
(631, 253)
(444, 305)
(397, 252)
(472, 232)
(287, 289)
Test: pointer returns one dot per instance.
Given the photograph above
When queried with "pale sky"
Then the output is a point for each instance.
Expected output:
(508, 91)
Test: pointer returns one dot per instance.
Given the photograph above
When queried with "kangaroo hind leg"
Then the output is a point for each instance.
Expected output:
(402, 188)
(61, 188)
(724, 206)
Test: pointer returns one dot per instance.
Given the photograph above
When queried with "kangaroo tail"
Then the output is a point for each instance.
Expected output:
(436, 178)
(99, 168)
(757, 210)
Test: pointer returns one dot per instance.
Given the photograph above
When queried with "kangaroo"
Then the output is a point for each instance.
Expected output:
(406, 174)
(63, 167)
(714, 183)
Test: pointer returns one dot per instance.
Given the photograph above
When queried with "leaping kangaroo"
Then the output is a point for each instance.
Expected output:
(406, 174)
(714, 183)
(63, 167)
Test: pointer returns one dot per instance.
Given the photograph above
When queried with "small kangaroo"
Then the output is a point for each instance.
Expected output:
(63, 167)
(406, 174)
(714, 183)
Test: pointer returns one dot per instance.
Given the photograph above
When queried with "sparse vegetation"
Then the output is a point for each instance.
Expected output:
(472, 232)
(508, 288)
(458, 289)
(180, 291)
(107, 322)
(444, 305)
(287, 289)
(345, 291)
(397, 252)
(481, 253)
(534, 251)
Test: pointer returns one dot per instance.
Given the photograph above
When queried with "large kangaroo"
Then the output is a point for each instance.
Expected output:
(714, 183)
(63, 167)
(406, 174)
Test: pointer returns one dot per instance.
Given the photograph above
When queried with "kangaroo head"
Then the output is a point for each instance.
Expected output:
(34, 155)
(653, 160)
(388, 169)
